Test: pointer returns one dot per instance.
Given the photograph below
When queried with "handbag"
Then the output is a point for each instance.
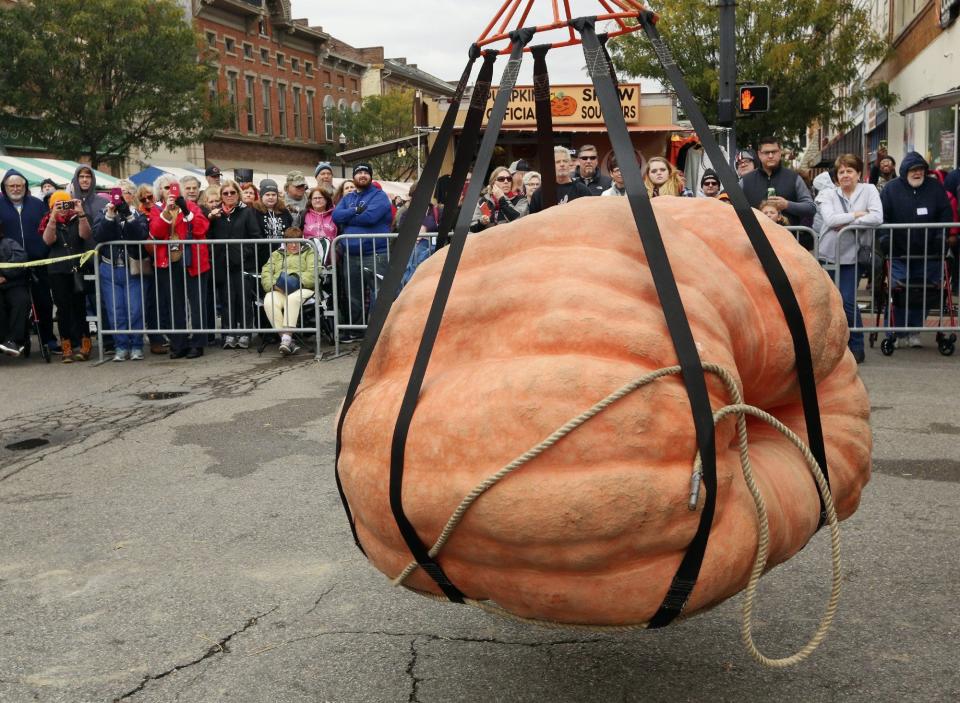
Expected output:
(77, 280)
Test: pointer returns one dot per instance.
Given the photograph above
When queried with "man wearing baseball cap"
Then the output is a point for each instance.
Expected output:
(518, 169)
(295, 196)
(213, 176)
(365, 211)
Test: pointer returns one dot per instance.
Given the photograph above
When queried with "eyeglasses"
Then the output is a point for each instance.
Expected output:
(228, 192)
(770, 153)
(711, 183)
(504, 178)
(302, 185)
(589, 157)
(147, 199)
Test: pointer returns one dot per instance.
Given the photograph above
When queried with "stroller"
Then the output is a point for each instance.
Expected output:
(936, 300)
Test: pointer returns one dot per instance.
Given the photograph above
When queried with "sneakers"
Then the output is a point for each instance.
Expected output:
(914, 340)
(136, 355)
(67, 347)
(244, 342)
(54, 347)
(83, 353)
(229, 342)
(286, 345)
(11, 348)
(121, 355)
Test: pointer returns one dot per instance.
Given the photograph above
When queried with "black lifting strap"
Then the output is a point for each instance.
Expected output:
(402, 249)
(692, 371)
(519, 40)
(768, 257)
(470, 137)
(541, 96)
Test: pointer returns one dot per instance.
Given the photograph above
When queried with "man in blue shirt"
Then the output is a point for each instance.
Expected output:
(365, 211)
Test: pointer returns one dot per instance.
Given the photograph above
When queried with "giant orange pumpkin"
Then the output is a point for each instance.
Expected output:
(548, 315)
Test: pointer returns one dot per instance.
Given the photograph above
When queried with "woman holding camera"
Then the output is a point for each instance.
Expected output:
(66, 230)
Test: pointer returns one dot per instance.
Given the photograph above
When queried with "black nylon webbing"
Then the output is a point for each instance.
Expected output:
(765, 253)
(402, 249)
(541, 95)
(519, 39)
(469, 138)
(673, 311)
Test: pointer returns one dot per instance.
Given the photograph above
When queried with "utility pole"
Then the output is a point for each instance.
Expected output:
(727, 106)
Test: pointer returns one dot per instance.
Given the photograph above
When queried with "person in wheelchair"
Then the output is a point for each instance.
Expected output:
(916, 255)
(14, 297)
(288, 278)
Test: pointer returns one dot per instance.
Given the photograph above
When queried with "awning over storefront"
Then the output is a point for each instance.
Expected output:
(951, 97)
(152, 173)
(849, 143)
(60, 171)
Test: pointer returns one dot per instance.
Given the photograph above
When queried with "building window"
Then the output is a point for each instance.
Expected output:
(281, 61)
(342, 105)
(356, 106)
(248, 51)
(329, 117)
(311, 134)
(295, 64)
(282, 109)
(353, 84)
(297, 123)
(903, 13)
(262, 26)
(232, 98)
(941, 137)
(308, 68)
(264, 55)
(212, 40)
(229, 45)
(326, 78)
(267, 121)
(251, 116)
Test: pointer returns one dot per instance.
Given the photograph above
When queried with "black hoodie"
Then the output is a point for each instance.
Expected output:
(903, 204)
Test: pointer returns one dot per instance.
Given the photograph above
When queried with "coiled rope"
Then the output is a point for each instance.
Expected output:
(740, 410)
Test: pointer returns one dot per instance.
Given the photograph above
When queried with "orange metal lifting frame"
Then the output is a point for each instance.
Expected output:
(624, 10)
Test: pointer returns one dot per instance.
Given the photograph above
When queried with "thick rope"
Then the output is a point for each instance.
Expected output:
(740, 410)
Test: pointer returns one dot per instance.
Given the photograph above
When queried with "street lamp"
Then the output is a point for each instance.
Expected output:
(343, 148)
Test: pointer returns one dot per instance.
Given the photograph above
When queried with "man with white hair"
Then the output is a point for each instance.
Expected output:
(567, 188)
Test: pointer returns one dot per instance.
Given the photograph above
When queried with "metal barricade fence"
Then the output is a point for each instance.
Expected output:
(894, 278)
(806, 237)
(359, 263)
(140, 297)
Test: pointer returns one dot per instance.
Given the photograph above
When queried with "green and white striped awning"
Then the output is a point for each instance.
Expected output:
(59, 170)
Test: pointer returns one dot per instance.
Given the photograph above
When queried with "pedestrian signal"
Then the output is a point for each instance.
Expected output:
(754, 98)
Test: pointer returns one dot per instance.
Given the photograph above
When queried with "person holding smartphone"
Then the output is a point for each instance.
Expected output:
(494, 206)
(66, 230)
(182, 271)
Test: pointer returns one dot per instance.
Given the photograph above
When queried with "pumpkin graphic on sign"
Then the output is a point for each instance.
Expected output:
(562, 105)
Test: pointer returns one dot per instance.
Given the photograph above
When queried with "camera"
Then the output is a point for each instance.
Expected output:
(65, 205)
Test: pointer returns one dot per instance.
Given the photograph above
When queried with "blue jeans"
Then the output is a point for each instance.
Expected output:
(914, 273)
(848, 292)
(123, 305)
(363, 274)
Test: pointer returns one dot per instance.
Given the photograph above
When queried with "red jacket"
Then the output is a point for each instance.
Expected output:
(199, 259)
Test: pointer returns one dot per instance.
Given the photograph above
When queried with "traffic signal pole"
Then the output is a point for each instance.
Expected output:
(727, 106)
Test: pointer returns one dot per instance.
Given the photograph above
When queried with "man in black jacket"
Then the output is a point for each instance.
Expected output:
(588, 170)
(780, 186)
(14, 297)
(916, 255)
(567, 188)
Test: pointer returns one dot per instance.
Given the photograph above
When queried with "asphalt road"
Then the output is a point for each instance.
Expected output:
(192, 548)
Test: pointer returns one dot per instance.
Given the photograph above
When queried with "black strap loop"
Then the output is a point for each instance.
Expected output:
(673, 311)
(469, 138)
(402, 249)
(545, 145)
(398, 447)
(765, 253)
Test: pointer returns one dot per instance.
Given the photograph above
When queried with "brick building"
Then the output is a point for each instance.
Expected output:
(285, 81)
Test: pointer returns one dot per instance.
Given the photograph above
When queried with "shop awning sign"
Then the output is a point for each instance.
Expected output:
(569, 105)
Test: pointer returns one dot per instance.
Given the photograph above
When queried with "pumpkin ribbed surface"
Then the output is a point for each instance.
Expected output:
(547, 316)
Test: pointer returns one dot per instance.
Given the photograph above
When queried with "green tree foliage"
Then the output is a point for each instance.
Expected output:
(382, 118)
(803, 51)
(96, 78)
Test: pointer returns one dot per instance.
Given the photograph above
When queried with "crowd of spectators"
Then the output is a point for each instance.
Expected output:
(162, 282)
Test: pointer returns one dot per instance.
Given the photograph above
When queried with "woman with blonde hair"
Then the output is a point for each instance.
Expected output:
(661, 178)
(494, 206)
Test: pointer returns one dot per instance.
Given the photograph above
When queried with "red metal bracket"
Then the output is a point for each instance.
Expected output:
(619, 11)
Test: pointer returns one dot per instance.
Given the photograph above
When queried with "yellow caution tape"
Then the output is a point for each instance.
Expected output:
(84, 258)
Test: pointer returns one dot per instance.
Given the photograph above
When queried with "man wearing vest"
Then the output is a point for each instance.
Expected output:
(780, 186)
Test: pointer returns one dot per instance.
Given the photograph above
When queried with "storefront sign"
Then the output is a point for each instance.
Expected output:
(569, 105)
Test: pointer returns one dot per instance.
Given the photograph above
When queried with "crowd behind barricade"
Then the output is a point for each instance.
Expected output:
(165, 291)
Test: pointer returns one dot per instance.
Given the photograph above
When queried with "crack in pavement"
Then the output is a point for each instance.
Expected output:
(220, 647)
(316, 603)
(414, 681)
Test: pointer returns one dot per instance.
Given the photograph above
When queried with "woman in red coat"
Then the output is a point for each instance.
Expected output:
(182, 270)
